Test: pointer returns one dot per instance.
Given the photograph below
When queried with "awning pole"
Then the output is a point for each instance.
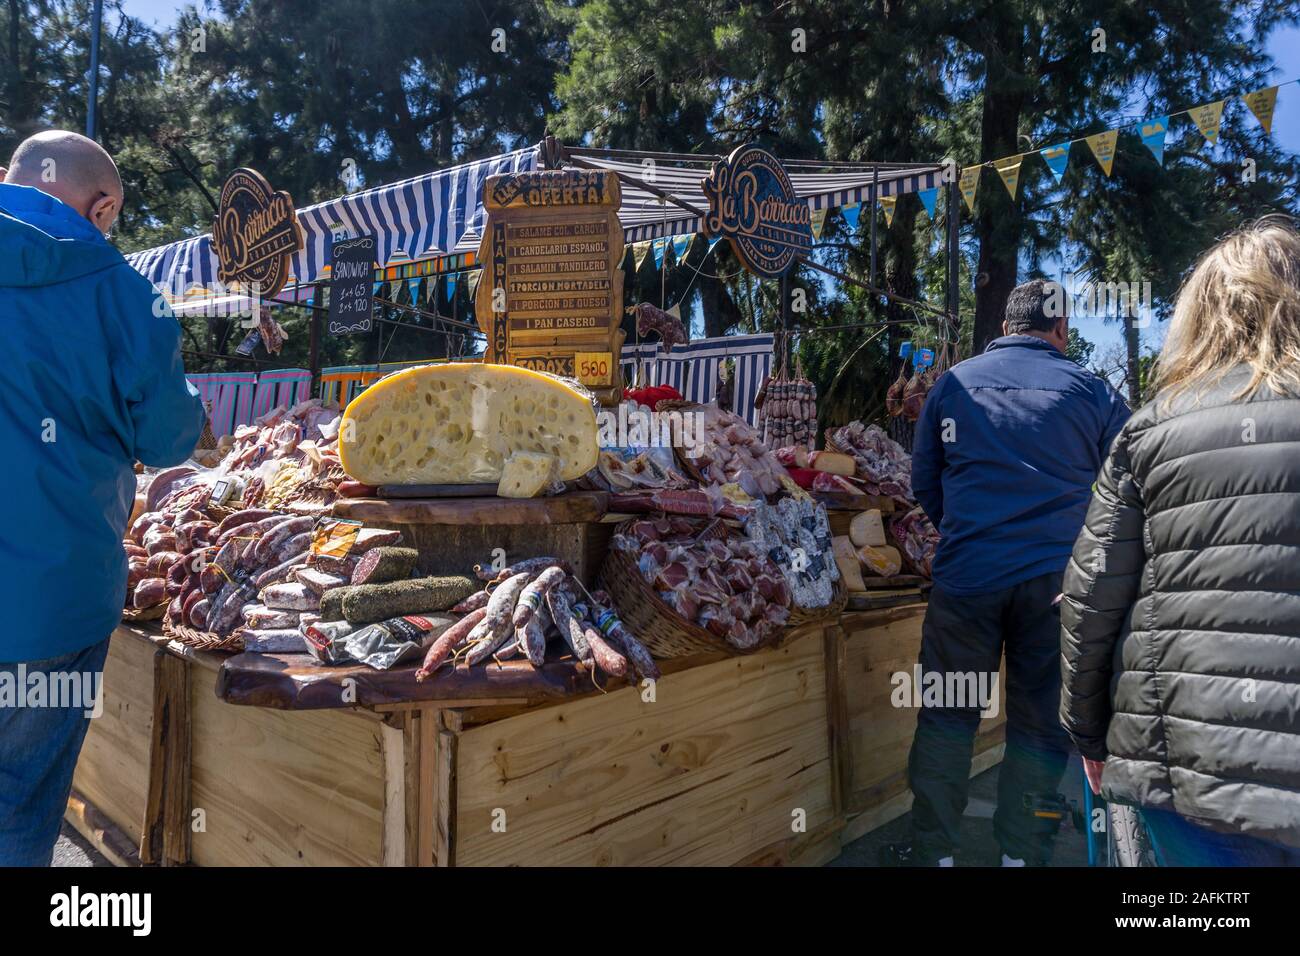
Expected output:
(875, 187)
(954, 272)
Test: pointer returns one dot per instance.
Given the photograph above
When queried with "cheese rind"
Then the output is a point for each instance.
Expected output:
(846, 559)
(525, 475)
(867, 528)
(833, 463)
(885, 562)
(458, 423)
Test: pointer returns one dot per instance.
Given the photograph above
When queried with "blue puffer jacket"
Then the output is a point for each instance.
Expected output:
(1007, 448)
(93, 382)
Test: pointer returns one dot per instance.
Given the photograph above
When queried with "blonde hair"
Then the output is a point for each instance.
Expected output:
(1240, 306)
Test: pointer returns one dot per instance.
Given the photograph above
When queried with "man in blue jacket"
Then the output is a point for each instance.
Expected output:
(1007, 448)
(93, 383)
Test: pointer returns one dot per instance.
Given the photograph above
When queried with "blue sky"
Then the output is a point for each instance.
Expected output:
(1284, 46)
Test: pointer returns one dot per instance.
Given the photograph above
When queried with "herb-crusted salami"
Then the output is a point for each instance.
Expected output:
(369, 603)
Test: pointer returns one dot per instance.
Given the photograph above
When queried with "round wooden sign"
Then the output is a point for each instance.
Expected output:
(255, 233)
(753, 204)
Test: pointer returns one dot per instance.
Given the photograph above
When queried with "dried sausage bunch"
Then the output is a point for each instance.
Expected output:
(789, 411)
(523, 607)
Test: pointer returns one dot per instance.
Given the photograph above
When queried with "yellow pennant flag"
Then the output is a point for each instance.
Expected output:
(1261, 103)
(969, 184)
(1009, 170)
(887, 203)
(640, 250)
(1103, 148)
(1207, 119)
(818, 222)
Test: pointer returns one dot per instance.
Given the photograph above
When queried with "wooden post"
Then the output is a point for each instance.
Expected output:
(314, 350)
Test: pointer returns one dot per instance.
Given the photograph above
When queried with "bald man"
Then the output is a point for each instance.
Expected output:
(93, 383)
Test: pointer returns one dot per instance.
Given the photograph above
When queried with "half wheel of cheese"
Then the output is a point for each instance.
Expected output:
(458, 423)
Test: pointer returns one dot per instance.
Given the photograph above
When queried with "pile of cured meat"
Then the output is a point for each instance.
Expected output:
(517, 611)
(883, 467)
(711, 576)
(288, 458)
(917, 538)
(730, 452)
(249, 570)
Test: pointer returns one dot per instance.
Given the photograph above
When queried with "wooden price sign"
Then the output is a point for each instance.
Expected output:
(552, 289)
(753, 204)
(255, 234)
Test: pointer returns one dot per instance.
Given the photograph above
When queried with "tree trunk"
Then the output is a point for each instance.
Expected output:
(998, 224)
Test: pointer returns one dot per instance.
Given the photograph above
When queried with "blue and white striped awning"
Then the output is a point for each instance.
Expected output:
(442, 213)
(414, 219)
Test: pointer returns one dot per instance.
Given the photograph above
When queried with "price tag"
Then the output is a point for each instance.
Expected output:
(594, 368)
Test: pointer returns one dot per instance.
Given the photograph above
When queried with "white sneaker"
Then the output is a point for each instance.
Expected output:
(1008, 861)
(946, 861)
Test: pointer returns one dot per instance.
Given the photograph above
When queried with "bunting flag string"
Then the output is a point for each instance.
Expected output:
(1208, 118)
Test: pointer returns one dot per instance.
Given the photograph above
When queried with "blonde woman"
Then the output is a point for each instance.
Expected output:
(1181, 611)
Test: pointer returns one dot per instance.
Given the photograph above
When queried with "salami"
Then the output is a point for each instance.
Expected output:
(290, 597)
(533, 593)
(281, 570)
(381, 565)
(149, 593)
(448, 641)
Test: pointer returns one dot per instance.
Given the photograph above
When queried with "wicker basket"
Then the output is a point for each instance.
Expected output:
(203, 640)
(839, 600)
(660, 628)
(138, 615)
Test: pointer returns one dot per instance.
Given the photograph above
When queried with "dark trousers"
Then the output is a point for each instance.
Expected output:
(966, 634)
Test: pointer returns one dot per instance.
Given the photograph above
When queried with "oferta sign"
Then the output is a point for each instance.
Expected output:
(753, 204)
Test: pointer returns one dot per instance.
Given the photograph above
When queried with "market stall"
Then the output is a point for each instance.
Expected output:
(513, 612)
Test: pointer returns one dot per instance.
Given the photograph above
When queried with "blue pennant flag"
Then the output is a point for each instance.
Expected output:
(659, 246)
(1153, 133)
(928, 198)
(851, 214)
(413, 287)
(712, 242)
(375, 290)
(451, 285)
(1057, 158)
(679, 246)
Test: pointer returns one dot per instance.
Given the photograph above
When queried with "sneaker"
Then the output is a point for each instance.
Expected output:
(903, 854)
(1011, 861)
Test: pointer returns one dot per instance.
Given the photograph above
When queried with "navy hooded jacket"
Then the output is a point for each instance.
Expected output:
(1007, 448)
(93, 383)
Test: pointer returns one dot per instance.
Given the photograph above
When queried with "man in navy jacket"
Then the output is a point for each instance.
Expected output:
(1007, 448)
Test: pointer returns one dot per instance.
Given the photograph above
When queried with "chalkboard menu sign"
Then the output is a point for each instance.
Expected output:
(552, 289)
(352, 267)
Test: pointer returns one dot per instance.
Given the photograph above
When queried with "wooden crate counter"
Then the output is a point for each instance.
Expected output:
(776, 757)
